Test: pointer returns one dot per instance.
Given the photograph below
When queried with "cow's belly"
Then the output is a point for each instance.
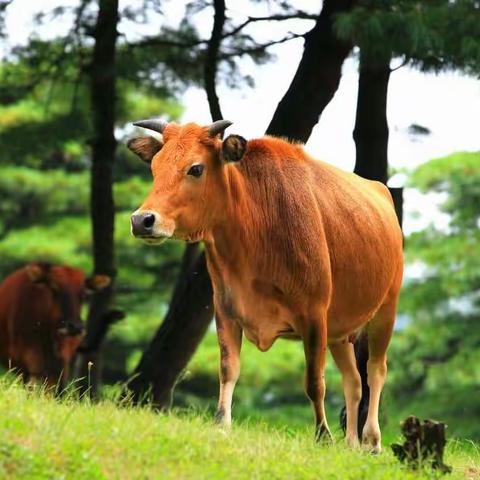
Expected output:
(266, 330)
(262, 328)
(266, 311)
(262, 318)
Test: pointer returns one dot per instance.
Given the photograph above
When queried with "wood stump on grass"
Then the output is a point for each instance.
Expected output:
(424, 444)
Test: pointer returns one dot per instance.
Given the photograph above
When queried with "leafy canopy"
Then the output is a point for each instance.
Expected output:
(435, 35)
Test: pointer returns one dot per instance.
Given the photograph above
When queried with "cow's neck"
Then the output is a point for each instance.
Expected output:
(248, 236)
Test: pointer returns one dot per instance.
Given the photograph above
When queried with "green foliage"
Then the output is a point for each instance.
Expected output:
(45, 117)
(452, 256)
(44, 438)
(381, 28)
(433, 35)
(46, 216)
(458, 176)
(29, 197)
(439, 350)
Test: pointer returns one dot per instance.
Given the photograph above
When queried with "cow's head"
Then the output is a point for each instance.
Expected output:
(189, 179)
(65, 288)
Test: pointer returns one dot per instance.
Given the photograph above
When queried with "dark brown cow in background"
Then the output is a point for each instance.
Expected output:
(40, 324)
(295, 248)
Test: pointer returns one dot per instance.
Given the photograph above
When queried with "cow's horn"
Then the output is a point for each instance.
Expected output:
(154, 124)
(218, 127)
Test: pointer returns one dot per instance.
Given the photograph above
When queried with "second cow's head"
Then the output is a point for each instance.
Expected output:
(61, 291)
(189, 179)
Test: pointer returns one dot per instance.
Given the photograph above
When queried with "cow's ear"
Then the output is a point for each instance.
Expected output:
(97, 283)
(144, 147)
(233, 148)
(37, 272)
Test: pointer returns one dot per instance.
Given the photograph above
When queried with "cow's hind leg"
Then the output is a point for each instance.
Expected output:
(344, 356)
(379, 330)
(315, 347)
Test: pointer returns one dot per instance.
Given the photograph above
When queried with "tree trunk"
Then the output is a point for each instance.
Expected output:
(371, 127)
(191, 308)
(211, 61)
(187, 320)
(102, 210)
(316, 79)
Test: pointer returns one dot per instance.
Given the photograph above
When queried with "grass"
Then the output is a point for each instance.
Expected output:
(43, 438)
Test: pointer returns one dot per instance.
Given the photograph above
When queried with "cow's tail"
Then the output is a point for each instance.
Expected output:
(361, 356)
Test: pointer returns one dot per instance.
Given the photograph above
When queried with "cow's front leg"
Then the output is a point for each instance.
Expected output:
(230, 342)
(315, 347)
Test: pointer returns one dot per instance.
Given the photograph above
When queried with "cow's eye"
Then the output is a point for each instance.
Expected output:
(195, 170)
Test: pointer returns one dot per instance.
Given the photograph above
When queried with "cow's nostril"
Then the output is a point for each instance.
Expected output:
(142, 224)
(148, 220)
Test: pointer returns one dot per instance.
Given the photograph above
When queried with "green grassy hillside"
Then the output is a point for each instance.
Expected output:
(43, 438)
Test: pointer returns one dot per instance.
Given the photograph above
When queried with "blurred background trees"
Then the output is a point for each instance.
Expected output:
(66, 101)
(436, 356)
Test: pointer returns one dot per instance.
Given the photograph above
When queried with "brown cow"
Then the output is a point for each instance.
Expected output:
(295, 248)
(40, 325)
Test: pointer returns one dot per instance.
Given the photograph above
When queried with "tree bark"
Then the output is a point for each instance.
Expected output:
(185, 324)
(317, 77)
(371, 126)
(191, 308)
(211, 61)
(102, 210)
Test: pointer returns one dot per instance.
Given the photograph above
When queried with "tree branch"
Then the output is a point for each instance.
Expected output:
(297, 15)
(260, 48)
(405, 62)
(211, 61)
(161, 42)
(158, 41)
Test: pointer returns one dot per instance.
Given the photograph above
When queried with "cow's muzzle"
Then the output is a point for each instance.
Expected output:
(147, 225)
(143, 224)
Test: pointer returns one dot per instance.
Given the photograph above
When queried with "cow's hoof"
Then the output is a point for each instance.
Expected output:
(221, 419)
(372, 445)
(323, 435)
(373, 449)
(371, 439)
(352, 442)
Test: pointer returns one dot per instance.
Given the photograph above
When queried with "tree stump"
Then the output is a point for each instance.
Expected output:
(424, 444)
